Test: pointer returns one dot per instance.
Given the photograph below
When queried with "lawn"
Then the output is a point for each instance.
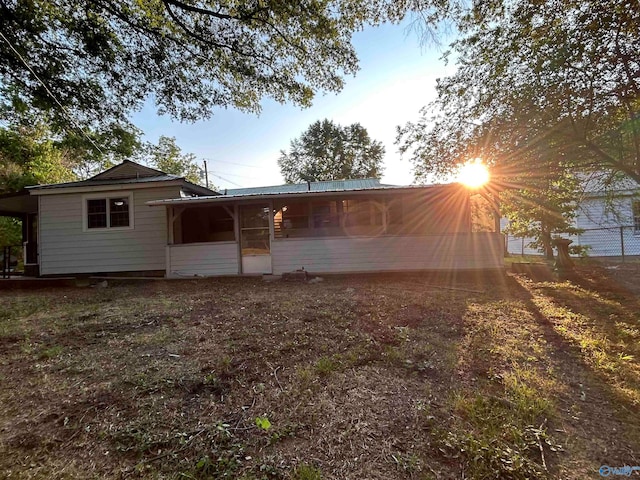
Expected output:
(363, 377)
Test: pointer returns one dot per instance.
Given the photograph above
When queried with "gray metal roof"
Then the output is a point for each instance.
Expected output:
(300, 193)
(325, 186)
(165, 177)
(111, 181)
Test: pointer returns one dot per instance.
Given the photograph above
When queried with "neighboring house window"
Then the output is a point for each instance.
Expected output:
(635, 206)
(108, 212)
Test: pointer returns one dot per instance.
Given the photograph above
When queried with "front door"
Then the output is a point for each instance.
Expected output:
(255, 238)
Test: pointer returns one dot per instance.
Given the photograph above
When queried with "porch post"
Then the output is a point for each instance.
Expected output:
(170, 218)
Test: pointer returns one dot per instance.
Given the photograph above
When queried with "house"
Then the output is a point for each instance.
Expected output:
(131, 218)
(98, 225)
(608, 214)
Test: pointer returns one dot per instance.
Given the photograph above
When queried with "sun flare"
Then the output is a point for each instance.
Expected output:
(473, 174)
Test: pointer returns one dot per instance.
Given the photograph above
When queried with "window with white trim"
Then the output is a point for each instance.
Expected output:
(106, 212)
(635, 208)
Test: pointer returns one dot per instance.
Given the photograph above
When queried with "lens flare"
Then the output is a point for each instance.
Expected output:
(473, 174)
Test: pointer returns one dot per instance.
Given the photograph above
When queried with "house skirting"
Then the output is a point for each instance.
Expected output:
(324, 255)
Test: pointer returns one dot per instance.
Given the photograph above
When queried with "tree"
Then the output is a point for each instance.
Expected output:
(542, 88)
(28, 156)
(102, 58)
(543, 206)
(168, 157)
(327, 151)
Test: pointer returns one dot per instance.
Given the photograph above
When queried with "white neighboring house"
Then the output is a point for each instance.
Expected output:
(609, 214)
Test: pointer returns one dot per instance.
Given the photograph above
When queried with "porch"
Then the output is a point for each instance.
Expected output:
(409, 230)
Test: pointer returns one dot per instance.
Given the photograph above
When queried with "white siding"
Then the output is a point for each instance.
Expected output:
(607, 225)
(66, 249)
(600, 213)
(431, 252)
(203, 259)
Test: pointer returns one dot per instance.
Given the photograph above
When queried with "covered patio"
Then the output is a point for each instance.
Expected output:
(348, 231)
(23, 207)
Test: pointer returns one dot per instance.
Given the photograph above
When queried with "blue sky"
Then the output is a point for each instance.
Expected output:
(396, 78)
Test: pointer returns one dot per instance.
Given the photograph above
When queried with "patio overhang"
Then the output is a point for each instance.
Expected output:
(18, 204)
(445, 189)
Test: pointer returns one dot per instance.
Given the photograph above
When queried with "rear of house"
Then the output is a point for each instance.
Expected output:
(327, 227)
(135, 219)
(103, 224)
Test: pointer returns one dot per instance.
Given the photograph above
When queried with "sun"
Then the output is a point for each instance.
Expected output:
(473, 174)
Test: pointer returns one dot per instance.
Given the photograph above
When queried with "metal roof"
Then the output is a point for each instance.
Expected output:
(110, 181)
(324, 186)
(165, 177)
(269, 194)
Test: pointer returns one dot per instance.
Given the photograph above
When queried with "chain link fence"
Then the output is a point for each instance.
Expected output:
(620, 241)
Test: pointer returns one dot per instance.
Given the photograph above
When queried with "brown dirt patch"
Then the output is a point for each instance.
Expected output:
(380, 376)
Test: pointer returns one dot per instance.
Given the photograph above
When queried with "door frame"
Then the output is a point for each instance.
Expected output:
(242, 267)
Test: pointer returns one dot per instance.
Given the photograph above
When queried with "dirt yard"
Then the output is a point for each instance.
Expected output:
(370, 377)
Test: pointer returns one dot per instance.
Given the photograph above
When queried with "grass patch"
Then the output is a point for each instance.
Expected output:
(306, 472)
(50, 352)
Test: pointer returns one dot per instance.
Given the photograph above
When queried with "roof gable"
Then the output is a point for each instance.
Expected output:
(127, 169)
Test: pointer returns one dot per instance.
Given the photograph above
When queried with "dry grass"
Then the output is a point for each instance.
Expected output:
(364, 377)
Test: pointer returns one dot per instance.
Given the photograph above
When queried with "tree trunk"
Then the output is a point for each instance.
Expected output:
(545, 238)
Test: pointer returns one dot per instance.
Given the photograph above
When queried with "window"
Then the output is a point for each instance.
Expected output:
(635, 206)
(395, 211)
(325, 214)
(97, 213)
(290, 218)
(118, 212)
(204, 224)
(361, 213)
(108, 212)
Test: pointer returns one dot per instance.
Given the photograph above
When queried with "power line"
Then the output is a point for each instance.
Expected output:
(55, 99)
(239, 176)
(234, 163)
(226, 180)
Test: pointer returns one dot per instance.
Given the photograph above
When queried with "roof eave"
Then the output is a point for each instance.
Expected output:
(52, 190)
(270, 196)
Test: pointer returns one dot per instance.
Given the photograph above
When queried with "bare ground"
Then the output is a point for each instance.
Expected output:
(390, 376)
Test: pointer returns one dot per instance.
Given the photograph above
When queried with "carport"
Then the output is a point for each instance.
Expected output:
(24, 207)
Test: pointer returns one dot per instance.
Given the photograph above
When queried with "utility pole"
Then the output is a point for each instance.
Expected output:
(206, 175)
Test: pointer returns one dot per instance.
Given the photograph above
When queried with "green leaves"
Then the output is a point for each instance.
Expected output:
(327, 151)
(102, 59)
(168, 157)
(263, 423)
(543, 91)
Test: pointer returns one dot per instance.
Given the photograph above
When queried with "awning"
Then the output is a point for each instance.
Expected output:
(18, 204)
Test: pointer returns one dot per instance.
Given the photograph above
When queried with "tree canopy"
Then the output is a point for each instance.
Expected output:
(28, 156)
(101, 59)
(327, 151)
(561, 78)
(542, 88)
(167, 156)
